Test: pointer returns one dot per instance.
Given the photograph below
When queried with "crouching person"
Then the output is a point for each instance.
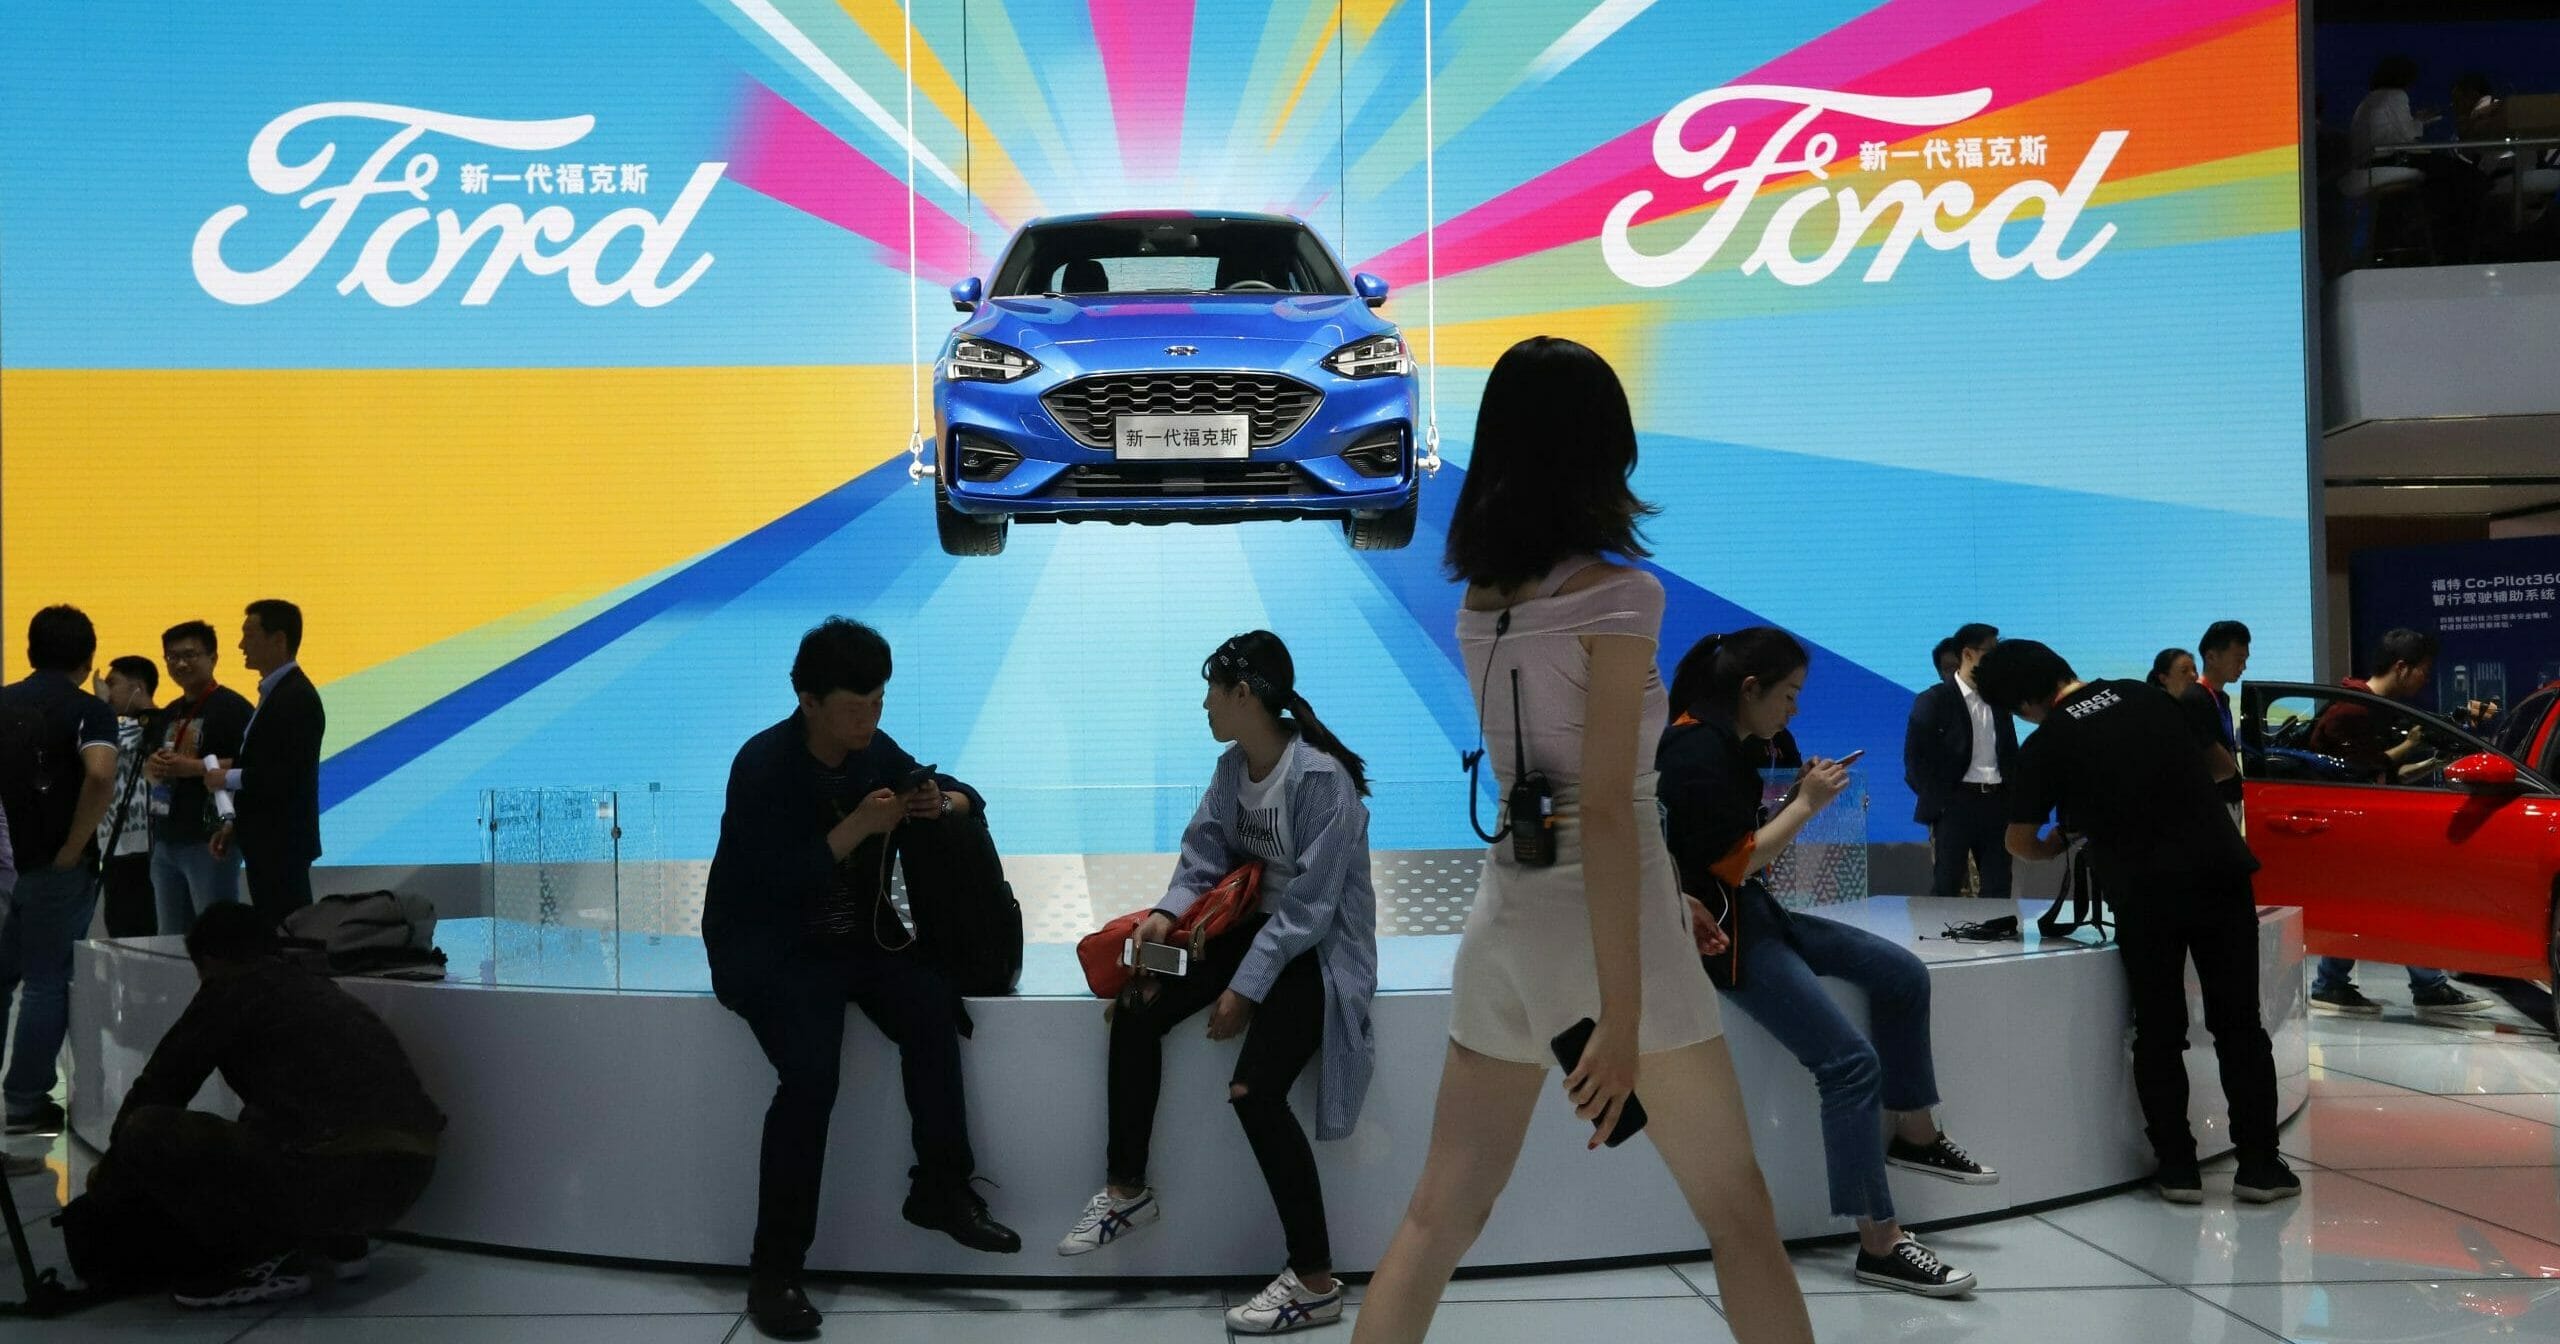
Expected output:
(336, 1137)
(797, 923)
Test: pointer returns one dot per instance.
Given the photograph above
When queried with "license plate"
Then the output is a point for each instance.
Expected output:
(1161, 438)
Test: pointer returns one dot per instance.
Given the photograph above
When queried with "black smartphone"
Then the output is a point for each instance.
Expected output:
(914, 779)
(1568, 1046)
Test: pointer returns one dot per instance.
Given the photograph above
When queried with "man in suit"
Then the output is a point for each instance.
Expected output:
(1957, 756)
(275, 781)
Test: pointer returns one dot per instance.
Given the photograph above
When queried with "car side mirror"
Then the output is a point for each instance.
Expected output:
(965, 295)
(1371, 289)
(2482, 772)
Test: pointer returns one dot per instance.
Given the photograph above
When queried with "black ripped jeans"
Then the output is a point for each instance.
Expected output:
(1287, 1030)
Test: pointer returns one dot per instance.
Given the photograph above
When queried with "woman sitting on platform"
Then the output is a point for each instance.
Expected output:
(1734, 692)
(1294, 980)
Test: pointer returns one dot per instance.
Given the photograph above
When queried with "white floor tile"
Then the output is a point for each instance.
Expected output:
(2440, 1313)
(2019, 1253)
(2416, 1131)
(2446, 1069)
(2331, 1083)
(1686, 1320)
(868, 1297)
(2342, 1229)
(547, 1329)
(2525, 1199)
(428, 1281)
(101, 1327)
(2544, 1109)
(2093, 1316)
(1196, 1325)
(2500, 1027)
(1602, 1283)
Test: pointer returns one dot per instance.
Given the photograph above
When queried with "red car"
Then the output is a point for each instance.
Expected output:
(2445, 854)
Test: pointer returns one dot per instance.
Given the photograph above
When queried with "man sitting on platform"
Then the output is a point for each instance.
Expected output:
(336, 1137)
(2116, 759)
(797, 922)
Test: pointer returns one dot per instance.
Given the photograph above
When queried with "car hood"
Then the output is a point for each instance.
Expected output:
(1311, 322)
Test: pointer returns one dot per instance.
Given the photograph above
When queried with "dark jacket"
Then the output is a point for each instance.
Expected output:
(278, 808)
(1937, 748)
(772, 865)
(1710, 789)
(313, 1067)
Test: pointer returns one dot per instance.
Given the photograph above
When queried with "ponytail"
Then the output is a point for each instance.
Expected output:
(1302, 717)
(1711, 673)
(1257, 661)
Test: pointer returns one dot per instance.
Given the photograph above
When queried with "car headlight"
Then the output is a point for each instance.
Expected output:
(976, 361)
(1376, 357)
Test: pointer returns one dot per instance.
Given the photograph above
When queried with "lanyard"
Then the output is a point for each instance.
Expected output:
(178, 730)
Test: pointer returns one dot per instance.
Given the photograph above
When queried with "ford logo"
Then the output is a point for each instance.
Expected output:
(1182, 351)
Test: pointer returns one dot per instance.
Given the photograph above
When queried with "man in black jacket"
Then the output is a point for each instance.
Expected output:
(1956, 756)
(275, 781)
(796, 922)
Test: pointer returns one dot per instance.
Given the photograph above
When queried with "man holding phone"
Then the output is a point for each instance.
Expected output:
(796, 920)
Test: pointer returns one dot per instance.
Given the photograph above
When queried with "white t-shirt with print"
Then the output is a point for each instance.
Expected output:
(1262, 826)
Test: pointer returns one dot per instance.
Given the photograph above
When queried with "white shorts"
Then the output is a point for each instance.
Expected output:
(1525, 970)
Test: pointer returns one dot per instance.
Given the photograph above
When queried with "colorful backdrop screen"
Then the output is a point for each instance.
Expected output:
(558, 358)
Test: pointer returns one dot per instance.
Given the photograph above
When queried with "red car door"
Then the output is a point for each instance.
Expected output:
(2415, 870)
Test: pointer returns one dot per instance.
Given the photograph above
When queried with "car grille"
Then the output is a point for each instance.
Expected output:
(1176, 480)
(1086, 407)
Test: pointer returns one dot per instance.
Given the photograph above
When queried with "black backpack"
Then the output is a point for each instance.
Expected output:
(40, 778)
(2080, 891)
(968, 925)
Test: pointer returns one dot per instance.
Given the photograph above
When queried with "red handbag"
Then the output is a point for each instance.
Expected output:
(1236, 897)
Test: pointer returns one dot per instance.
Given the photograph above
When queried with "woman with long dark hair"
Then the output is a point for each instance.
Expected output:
(1735, 692)
(2174, 671)
(1295, 980)
(1541, 535)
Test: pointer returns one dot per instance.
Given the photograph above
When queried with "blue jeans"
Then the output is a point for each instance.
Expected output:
(1783, 956)
(188, 880)
(49, 912)
(2337, 973)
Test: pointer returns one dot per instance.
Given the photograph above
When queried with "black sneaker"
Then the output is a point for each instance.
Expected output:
(957, 1212)
(779, 1309)
(2444, 998)
(2264, 1180)
(2179, 1183)
(1942, 1159)
(2345, 999)
(272, 1280)
(1913, 1268)
(47, 1118)
(350, 1257)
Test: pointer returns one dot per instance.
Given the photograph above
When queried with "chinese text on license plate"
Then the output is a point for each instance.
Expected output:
(1156, 438)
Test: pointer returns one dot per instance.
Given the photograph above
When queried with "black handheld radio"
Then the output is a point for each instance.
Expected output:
(1530, 808)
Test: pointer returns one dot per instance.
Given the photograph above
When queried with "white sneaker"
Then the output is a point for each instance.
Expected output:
(1107, 1219)
(1285, 1306)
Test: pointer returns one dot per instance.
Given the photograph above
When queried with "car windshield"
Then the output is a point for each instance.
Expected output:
(1169, 255)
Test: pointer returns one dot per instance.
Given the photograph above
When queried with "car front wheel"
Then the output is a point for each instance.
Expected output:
(1389, 531)
(962, 534)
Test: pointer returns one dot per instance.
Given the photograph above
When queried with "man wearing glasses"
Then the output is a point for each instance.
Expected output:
(207, 719)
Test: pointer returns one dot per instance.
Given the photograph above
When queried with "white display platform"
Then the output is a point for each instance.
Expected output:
(625, 1124)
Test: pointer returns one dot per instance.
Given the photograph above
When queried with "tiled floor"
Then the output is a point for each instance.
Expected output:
(2431, 1211)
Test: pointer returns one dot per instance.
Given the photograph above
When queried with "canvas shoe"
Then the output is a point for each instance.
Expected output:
(1913, 1268)
(1942, 1159)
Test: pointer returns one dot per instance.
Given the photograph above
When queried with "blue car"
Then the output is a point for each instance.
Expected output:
(1166, 367)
